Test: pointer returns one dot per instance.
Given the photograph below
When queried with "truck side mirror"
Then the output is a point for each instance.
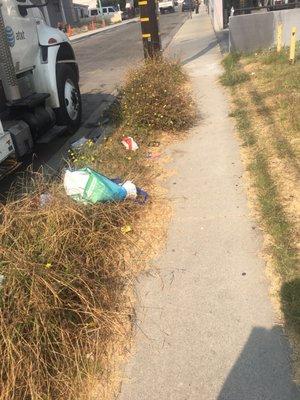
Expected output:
(23, 7)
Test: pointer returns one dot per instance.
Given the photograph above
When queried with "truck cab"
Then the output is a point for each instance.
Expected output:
(39, 91)
(166, 5)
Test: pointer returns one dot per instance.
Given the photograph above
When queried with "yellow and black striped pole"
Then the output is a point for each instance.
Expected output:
(293, 46)
(149, 24)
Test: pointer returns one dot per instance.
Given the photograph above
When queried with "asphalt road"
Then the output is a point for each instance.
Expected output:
(104, 59)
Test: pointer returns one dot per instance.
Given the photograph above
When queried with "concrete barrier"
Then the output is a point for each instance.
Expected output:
(257, 31)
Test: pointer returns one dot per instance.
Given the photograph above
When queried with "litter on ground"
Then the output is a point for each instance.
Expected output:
(129, 143)
(45, 198)
(79, 143)
(90, 187)
(130, 189)
(154, 143)
(153, 156)
(125, 229)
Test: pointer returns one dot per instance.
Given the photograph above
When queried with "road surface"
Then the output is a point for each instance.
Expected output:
(104, 59)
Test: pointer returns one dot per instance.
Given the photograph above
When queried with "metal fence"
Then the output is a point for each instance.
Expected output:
(274, 5)
(269, 7)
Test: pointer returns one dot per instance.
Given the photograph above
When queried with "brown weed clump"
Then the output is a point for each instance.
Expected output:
(156, 96)
(63, 293)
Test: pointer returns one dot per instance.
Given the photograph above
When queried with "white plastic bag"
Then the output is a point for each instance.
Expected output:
(75, 182)
(130, 189)
(90, 187)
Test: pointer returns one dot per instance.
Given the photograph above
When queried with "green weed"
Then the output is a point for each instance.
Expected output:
(232, 75)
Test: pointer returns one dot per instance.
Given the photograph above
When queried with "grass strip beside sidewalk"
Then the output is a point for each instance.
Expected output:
(265, 89)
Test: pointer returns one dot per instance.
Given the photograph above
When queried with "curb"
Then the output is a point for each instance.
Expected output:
(90, 128)
(84, 35)
(168, 39)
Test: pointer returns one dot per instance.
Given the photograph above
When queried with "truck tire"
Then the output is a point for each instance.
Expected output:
(69, 113)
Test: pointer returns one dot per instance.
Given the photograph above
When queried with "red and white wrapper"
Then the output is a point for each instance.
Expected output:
(129, 143)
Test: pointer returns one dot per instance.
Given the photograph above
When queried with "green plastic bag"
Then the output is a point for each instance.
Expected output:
(88, 186)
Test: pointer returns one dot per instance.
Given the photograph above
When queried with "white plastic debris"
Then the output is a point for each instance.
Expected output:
(79, 143)
(75, 182)
(130, 189)
(90, 187)
(129, 143)
(45, 198)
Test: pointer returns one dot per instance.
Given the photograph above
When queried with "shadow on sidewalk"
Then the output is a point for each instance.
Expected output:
(261, 372)
(206, 49)
(223, 39)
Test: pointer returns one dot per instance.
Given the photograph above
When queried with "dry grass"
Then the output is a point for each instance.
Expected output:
(156, 96)
(266, 108)
(65, 293)
(69, 273)
(67, 304)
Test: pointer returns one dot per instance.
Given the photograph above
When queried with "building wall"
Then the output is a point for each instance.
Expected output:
(58, 15)
(252, 32)
(89, 3)
(80, 11)
(215, 9)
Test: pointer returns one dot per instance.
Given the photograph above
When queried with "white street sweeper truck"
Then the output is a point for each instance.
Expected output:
(39, 92)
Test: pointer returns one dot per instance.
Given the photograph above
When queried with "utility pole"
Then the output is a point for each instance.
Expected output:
(149, 25)
(99, 5)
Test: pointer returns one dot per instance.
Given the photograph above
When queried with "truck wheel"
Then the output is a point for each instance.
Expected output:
(69, 113)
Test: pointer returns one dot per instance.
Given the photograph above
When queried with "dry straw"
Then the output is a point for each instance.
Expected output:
(69, 269)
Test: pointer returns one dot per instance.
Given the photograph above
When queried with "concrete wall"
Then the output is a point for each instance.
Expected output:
(258, 31)
(289, 19)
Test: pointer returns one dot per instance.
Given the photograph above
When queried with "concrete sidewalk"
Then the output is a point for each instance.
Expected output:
(207, 327)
